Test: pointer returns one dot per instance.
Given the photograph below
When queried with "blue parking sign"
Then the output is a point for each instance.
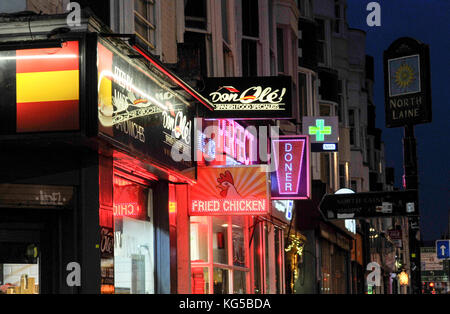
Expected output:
(443, 249)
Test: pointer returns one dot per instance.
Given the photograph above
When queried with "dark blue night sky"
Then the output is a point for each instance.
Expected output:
(429, 22)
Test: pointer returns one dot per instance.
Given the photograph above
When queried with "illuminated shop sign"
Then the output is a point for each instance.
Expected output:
(291, 180)
(323, 133)
(249, 97)
(40, 89)
(283, 209)
(138, 109)
(407, 83)
(241, 190)
(223, 138)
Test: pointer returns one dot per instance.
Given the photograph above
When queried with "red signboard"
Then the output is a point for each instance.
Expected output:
(241, 190)
(291, 180)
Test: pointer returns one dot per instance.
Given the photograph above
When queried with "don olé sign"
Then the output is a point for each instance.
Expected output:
(249, 97)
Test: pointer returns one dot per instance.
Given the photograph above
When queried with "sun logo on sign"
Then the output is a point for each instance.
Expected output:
(404, 76)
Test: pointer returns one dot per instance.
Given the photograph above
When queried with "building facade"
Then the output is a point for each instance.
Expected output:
(130, 223)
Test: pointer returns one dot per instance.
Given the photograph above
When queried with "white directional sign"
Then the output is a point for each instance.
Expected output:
(443, 249)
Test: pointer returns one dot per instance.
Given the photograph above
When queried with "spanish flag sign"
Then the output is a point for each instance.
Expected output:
(41, 89)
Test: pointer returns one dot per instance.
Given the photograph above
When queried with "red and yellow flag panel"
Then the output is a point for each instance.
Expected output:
(47, 89)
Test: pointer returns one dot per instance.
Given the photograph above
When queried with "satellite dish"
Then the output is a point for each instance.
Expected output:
(344, 191)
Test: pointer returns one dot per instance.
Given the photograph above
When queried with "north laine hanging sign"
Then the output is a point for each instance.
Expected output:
(407, 83)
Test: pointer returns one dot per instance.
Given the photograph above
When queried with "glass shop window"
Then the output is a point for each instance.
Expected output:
(219, 255)
(220, 240)
(199, 230)
(133, 238)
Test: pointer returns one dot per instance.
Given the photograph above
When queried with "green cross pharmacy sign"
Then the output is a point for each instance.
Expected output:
(320, 130)
(323, 132)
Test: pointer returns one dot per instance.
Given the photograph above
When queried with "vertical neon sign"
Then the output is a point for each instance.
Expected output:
(291, 179)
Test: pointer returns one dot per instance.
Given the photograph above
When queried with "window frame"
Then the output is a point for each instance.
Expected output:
(230, 267)
(151, 26)
(326, 42)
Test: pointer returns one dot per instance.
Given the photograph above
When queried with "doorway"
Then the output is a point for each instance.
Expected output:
(27, 260)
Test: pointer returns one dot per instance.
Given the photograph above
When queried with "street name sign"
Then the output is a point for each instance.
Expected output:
(369, 204)
(443, 249)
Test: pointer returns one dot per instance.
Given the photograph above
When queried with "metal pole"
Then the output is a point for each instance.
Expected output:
(412, 183)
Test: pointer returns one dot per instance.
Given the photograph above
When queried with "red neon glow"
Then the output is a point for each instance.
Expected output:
(171, 76)
(121, 182)
(148, 175)
(129, 199)
(239, 190)
(127, 209)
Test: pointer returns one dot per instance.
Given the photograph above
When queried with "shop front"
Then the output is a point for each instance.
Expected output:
(335, 268)
(227, 206)
(238, 229)
(146, 130)
(97, 160)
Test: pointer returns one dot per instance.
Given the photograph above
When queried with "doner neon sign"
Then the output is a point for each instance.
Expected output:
(291, 178)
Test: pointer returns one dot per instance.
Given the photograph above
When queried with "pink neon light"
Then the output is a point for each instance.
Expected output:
(234, 140)
(277, 162)
(291, 138)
